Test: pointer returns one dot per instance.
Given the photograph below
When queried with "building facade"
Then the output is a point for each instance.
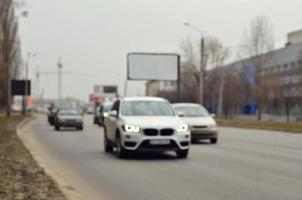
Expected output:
(285, 65)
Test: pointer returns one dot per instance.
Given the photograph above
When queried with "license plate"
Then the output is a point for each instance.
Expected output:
(159, 142)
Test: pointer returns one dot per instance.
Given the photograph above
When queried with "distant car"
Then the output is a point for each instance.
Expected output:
(201, 123)
(105, 108)
(68, 118)
(145, 124)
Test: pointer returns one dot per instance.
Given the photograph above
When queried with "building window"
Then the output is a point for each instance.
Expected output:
(275, 69)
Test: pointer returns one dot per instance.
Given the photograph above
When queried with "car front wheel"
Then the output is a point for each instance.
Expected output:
(121, 152)
(57, 127)
(213, 140)
(182, 153)
(107, 146)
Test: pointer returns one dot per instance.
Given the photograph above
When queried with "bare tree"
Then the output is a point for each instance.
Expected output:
(215, 55)
(216, 52)
(233, 93)
(257, 42)
(188, 86)
(10, 55)
(188, 51)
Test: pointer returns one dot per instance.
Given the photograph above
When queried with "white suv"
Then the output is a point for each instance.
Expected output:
(145, 124)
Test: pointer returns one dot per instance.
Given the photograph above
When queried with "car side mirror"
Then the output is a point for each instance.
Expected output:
(213, 115)
(113, 113)
(180, 114)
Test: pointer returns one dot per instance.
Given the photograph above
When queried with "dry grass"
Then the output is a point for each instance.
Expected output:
(264, 125)
(20, 176)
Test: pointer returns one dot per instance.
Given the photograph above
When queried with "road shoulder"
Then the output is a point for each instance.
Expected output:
(23, 131)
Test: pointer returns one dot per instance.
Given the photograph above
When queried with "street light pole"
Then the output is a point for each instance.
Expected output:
(25, 97)
(202, 73)
(60, 66)
(202, 70)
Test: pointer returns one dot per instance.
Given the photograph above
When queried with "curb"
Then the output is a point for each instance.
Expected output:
(69, 191)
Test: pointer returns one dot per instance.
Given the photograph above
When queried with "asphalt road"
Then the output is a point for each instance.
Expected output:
(245, 164)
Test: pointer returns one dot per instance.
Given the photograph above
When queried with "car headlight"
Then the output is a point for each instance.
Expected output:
(212, 126)
(182, 128)
(131, 128)
(105, 114)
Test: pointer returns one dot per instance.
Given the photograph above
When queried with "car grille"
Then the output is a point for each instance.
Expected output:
(156, 132)
(151, 132)
(200, 126)
(166, 132)
(147, 146)
(70, 121)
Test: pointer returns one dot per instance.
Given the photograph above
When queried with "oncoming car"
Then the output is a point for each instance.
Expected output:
(68, 118)
(145, 124)
(201, 123)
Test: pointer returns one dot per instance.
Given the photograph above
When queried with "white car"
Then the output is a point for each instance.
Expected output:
(145, 124)
(201, 123)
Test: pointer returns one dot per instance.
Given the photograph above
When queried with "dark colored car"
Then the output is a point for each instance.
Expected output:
(104, 110)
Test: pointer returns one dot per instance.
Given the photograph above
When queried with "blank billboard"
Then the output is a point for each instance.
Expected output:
(150, 66)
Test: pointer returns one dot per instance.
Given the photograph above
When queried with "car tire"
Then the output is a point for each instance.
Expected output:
(121, 152)
(80, 128)
(213, 140)
(194, 141)
(57, 127)
(107, 146)
(182, 153)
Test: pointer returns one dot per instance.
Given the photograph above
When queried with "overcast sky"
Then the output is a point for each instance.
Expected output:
(93, 37)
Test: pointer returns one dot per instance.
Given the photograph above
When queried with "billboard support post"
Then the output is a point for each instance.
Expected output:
(178, 80)
(125, 88)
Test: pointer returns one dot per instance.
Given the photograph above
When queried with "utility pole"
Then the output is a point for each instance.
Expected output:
(24, 100)
(25, 97)
(202, 70)
(58, 73)
(202, 73)
(60, 66)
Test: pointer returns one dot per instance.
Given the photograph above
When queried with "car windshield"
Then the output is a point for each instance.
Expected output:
(192, 111)
(107, 108)
(69, 112)
(147, 108)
